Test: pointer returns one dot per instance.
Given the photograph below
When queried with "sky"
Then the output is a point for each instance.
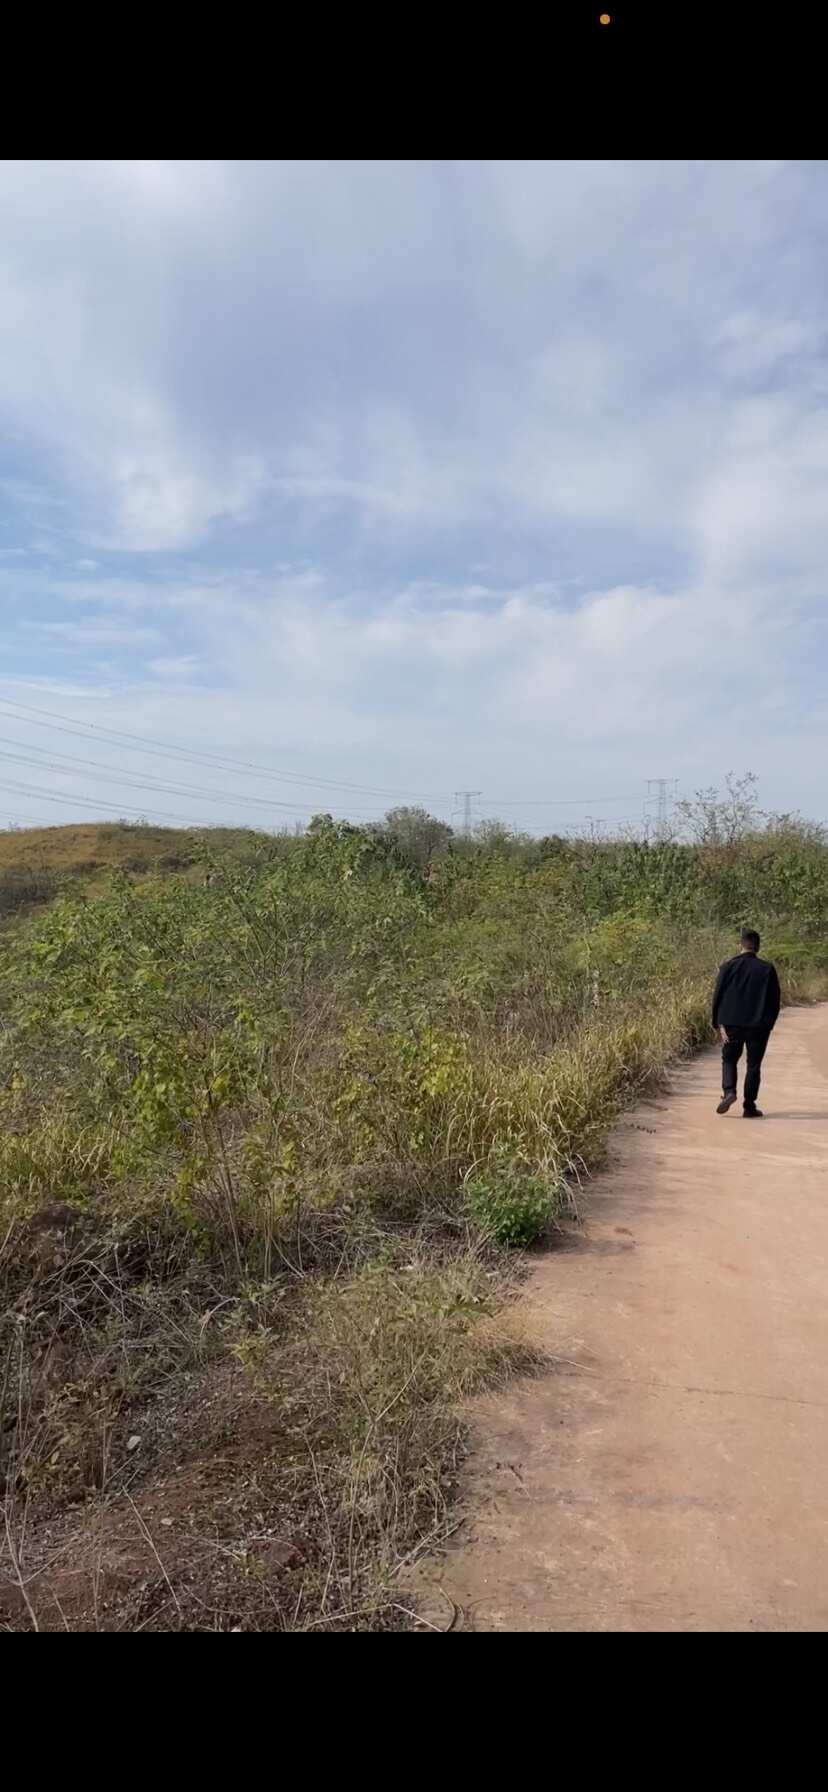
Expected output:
(386, 480)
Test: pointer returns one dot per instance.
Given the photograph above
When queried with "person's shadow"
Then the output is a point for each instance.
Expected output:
(798, 1116)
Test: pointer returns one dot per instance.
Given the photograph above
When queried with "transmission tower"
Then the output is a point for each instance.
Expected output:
(661, 786)
(464, 799)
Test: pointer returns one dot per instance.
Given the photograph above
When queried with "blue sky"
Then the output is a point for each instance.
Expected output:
(413, 477)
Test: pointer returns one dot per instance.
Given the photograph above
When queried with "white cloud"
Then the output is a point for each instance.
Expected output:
(89, 633)
(517, 467)
(176, 668)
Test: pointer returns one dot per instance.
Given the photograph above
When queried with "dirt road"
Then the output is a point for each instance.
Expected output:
(671, 1473)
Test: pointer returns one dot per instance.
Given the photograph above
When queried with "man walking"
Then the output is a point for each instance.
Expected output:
(746, 1004)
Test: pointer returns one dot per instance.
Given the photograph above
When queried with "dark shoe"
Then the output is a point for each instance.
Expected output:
(751, 1113)
(727, 1101)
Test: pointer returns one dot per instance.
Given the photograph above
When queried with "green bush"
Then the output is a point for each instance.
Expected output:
(511, 1205)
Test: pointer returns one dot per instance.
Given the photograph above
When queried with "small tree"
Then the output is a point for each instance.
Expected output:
(713, 819)
(416, 834)
(496, 836)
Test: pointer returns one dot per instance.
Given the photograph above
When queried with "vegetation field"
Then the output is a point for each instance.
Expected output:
(278, 1115)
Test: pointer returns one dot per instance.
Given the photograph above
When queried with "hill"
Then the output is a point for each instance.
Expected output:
(34, 861)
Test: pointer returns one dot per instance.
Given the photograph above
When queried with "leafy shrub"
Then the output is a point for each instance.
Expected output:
(418, 836)
(511, 1205)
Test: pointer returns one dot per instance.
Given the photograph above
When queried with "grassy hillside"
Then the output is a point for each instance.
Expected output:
(36, 862)
(266, 1143)
(89, 845)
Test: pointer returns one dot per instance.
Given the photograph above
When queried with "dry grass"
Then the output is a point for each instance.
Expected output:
(86, 846)
(181, 1456)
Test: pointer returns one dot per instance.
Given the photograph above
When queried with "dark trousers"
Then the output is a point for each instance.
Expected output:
(755, 1041)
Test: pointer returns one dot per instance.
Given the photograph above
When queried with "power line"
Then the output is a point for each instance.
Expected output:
(121, 775)
(164, 749)
(555, 802)
(32, 821)
(57, 721)
(48, 796)
(70, 800)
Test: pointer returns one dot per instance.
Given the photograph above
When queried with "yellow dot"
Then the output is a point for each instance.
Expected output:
(604, 19)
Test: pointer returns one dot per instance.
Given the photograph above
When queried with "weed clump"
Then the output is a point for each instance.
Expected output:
(511, 1205)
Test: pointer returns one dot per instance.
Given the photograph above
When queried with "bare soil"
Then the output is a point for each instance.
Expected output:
(206, 1537)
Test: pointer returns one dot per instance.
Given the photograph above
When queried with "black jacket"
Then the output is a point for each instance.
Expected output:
(747, 993)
